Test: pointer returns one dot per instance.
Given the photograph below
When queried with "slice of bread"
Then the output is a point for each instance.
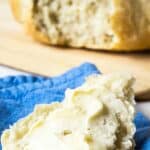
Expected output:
(117, 25)
(95, 116)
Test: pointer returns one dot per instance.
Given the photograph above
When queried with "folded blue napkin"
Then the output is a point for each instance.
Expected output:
(19, 94)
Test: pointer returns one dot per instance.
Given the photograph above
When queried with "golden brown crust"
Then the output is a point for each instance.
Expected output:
(16, 9)
(141, 44)
(126, 28)
(32, 30)
(29, 25)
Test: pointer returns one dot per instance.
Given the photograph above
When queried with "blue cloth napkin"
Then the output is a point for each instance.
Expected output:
(19, 94)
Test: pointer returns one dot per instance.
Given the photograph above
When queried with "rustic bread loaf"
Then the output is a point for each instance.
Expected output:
(97, 24)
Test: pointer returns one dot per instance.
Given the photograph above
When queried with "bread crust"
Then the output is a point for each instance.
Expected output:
(31, 29)
(16, 9)
(28, 22)
(139, 44)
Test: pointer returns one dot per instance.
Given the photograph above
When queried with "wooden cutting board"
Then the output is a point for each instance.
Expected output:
(19, 51)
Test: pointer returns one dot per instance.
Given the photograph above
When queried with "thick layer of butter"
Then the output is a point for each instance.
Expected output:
(96, 116)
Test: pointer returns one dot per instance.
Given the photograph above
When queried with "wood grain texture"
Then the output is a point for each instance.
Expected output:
(19, 51)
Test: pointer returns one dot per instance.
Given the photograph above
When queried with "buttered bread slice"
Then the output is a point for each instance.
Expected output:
(96, 116)
(118, 25)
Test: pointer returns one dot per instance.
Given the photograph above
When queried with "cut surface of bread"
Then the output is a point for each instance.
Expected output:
(96, 116)
(96, 24)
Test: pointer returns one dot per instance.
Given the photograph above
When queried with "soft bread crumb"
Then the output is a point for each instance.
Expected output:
(97, 115)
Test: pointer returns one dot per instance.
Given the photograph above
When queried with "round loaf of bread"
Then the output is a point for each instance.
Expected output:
(116, 25)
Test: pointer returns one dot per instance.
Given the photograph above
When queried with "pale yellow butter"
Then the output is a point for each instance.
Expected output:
(96, 116)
